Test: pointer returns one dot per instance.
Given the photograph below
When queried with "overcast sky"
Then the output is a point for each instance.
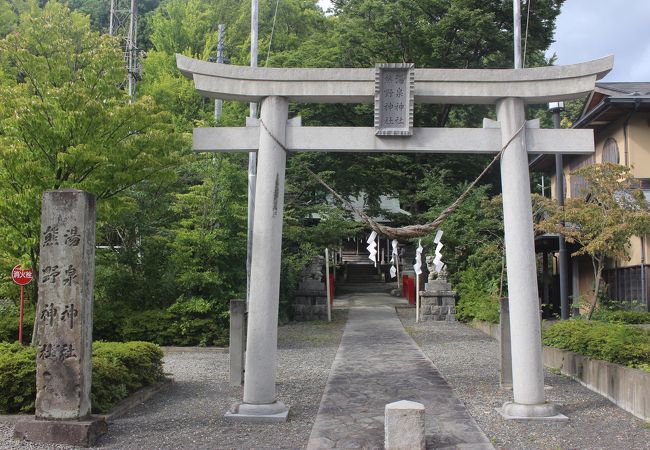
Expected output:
(590, 29)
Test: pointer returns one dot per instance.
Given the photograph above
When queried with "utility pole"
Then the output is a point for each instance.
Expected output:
(124, 22)
(252, 156)
(563, 262)
(516, 12)
(132, 49)
(218, 103)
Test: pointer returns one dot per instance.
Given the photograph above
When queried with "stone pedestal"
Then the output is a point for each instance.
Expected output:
(310, 301)
(264, 413)
(64, 322)
(80, 433)
(438, 301)
(438, 305)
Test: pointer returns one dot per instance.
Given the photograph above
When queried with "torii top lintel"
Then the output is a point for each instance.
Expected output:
(455, 86)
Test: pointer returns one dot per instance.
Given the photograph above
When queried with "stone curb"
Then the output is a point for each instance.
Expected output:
(627, 388)
(133, 400)
(624, 386)
(174, 349)
(124, 406)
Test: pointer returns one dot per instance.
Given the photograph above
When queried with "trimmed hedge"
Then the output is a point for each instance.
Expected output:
(119, 369)
(621, 316)
(17, 378)
(613, 342)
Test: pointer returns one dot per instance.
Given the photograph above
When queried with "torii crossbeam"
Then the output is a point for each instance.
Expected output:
(509, 89)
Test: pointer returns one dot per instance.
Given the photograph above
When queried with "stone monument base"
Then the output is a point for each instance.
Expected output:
(81, 433)
(438, 305)
(310, 301)
(310, 305)
(541, 412)
(247, 412)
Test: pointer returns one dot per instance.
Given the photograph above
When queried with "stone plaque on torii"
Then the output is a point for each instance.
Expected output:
(509, 89)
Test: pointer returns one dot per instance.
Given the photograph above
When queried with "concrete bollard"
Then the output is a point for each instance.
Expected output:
(505, 355)
(237, 344)
(404, 426)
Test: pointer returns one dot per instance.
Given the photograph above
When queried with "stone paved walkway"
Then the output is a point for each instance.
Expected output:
(378, 363)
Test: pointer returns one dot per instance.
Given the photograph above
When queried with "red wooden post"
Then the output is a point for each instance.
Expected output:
(20, 326)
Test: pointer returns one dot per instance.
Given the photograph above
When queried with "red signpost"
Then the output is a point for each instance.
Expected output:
(21, 277)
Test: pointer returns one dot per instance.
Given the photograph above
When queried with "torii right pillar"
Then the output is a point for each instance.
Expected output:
(525, 329)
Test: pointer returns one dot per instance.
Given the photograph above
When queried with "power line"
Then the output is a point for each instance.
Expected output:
(275, 16)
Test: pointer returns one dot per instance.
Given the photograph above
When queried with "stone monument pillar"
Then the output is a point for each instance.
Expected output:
(64, 322)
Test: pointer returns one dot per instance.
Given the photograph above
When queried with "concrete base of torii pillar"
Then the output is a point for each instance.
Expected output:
(260, 403)
(525, 327)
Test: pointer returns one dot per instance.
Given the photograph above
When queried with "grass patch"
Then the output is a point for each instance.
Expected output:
(410, 329)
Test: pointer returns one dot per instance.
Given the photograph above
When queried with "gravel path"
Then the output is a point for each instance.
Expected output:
(188, 414)
(467, 358)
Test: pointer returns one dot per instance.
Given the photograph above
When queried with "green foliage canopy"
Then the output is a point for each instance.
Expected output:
(65, 122)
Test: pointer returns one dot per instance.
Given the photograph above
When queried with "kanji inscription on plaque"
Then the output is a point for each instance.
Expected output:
(394, 99)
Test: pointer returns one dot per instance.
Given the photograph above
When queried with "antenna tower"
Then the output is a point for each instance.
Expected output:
(124, 23)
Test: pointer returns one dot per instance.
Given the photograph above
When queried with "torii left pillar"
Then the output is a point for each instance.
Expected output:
(260, 402)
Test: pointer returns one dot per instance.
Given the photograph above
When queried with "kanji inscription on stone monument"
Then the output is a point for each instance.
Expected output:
(64, 315)
(64, 324)
(394, 99)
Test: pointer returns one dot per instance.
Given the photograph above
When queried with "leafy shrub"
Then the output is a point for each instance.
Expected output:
(196, 321)
(613, 342)
(17, 378)
(621, 316)
(148, 326)
(119, 369)
(9, 323)
(292, 264)
(108, 321)
(479, 287)
(189, 321)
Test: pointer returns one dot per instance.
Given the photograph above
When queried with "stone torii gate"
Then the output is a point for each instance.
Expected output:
(509, 89)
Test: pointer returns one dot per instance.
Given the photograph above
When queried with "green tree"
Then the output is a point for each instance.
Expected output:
(429, 33)
(610, 211)
(10, 11)
(209, 239)
(65, 122)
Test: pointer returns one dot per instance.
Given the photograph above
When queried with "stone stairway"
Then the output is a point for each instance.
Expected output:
(362, 277)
